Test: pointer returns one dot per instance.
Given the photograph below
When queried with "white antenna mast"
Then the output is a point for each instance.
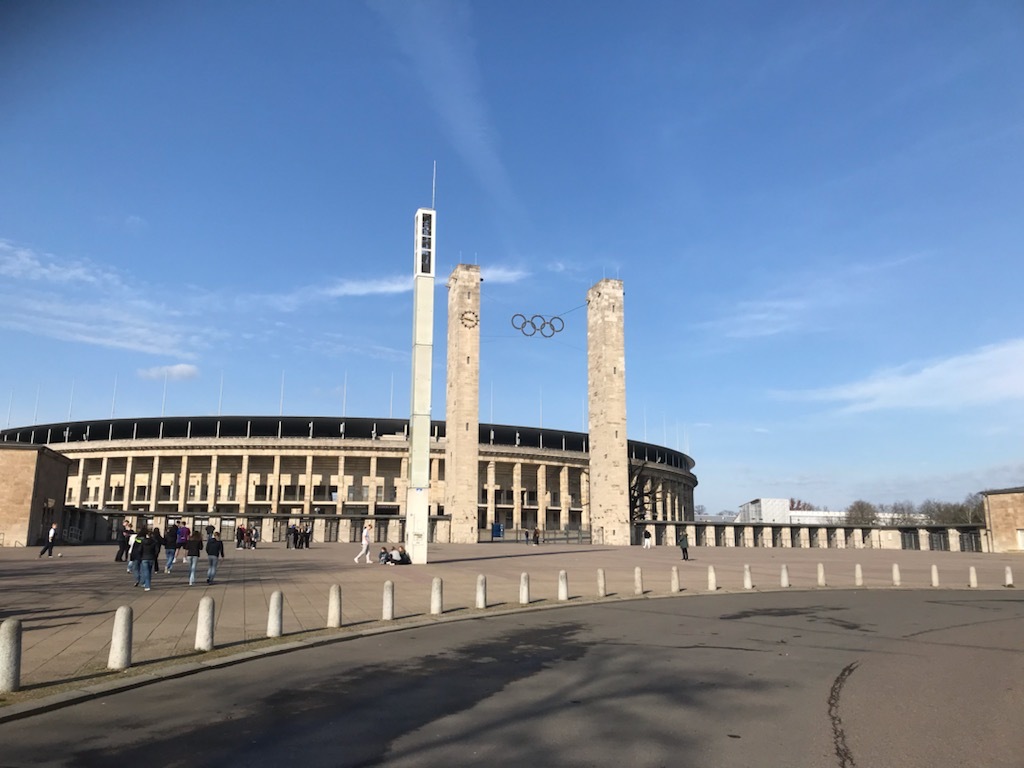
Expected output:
(433, 187)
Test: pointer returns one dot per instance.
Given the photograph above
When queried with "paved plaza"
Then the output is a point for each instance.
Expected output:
(67, 603)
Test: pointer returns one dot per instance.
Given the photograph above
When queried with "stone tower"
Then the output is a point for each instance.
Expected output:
(606, 396)
(462, 404)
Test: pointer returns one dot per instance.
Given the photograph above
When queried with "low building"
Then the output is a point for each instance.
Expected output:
(335, 474)
(1004, 519)
(32, 483)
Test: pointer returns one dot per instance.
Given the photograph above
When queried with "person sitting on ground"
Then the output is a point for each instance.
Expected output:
(383, 557)
(402, 557)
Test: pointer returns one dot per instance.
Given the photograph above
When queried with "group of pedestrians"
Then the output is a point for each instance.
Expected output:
(396, 556)
(247, 538)
(141, 550)
(299, 536)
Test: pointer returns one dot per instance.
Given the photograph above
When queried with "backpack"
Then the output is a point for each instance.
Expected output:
(183, 534)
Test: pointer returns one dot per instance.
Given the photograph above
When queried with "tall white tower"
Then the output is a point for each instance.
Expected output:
(417, 506)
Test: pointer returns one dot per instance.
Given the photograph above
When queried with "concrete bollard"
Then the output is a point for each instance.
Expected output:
(638, 581)
(895, 574)
(481, 591)
(10, 655)
(712, 579)
(674, 585)
(858, 575)
(602, 583)
(748, 582)
(388, 610)
(821, 575)
(563, 586)
(524, 589)
(935, 575)
(436, 596)
(972, 578)
(784, 577)
(275, 615)
(204, 625)
(1008, 577)
(120, 656)
(334, 607)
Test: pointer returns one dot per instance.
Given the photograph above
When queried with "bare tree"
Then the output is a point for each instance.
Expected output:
(861, 513)
(641, 495)
(899, 513)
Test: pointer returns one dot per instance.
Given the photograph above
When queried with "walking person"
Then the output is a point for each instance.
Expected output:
(170, 547)
(135, 554)
(193, 548)
(122, 542)
(215, 552)
(536, 537)
(684, 545)
(150, 552)
(365, 551)
(647, 539)
(51, 539)
(184, 534)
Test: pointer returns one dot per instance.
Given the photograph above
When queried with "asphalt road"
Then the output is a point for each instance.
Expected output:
(894, 678)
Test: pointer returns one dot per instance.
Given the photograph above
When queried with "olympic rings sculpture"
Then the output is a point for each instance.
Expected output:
(546, 326)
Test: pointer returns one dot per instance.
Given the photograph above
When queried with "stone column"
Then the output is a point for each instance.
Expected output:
(462, 406)
(242, 490)
(154, 484)
(213, 484)
(490, 493)
(606, 391)
(307, 497)
(542, 492)
(517, 496)
(954, 539)
(563, 491)
(129, 482)
(274, 484)
(104, 480)
(183, 484)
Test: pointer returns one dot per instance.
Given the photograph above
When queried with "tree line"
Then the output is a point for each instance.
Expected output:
(970, 511)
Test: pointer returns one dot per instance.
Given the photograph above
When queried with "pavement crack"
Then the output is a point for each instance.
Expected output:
(843, 752)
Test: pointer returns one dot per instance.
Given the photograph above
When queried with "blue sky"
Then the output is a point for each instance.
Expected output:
(816, 209)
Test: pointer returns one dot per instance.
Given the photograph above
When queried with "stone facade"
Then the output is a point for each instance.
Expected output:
(32, 482)
(606, 392)
(332, 472)
(1004, 519)
(462, 409)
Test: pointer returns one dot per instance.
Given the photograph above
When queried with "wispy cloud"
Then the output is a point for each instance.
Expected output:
(376, 287)
(453, 86)
(805, 303)
(341, 347)
(294, 299)
(79, 301)
(990, 374)
(135, 223)
(20, 263)
(503, 274)
(173, 372)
